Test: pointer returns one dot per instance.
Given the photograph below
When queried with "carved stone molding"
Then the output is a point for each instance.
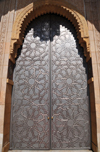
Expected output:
(40, 7)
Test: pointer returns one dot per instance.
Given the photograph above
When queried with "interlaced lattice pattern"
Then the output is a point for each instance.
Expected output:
(50, 75)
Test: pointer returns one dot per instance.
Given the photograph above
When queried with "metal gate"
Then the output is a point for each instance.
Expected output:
(50, 103)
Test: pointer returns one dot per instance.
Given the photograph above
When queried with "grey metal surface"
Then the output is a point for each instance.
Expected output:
(30, 128)
(50, 79)
(70, 103)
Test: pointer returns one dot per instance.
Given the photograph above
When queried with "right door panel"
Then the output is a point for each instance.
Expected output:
(70, 127)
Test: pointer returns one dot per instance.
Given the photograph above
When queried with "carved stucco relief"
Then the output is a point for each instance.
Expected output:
(36, 9)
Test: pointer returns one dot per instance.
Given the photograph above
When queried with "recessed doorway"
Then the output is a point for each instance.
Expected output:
(50, 98)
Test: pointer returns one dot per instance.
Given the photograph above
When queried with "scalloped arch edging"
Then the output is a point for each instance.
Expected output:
(40, 7)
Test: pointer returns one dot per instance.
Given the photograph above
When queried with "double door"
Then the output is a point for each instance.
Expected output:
(50, 105)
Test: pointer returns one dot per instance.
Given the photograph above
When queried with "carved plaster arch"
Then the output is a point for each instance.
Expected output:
(22, 20)
(38, 8)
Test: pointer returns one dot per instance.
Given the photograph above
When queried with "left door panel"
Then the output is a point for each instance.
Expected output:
(30, 127)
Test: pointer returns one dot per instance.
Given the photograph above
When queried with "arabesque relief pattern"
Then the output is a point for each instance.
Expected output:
(30, 102)
(50, 80)
(70, 97)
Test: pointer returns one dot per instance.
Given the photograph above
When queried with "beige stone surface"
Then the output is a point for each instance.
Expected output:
(1, 118)
(1, 139)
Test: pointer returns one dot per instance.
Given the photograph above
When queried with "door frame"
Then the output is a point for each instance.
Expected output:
(29, 13)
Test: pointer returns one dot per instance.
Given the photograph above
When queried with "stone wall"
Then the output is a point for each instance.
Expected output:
(7, 14)
(92, 16)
